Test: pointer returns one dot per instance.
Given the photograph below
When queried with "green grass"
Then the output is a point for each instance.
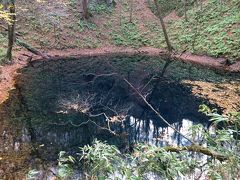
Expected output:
(128, 34)
(83, 25)
(100, 8)
(214, 30)
(167, 6)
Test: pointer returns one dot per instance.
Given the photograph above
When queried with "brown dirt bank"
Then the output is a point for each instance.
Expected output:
(8, 72)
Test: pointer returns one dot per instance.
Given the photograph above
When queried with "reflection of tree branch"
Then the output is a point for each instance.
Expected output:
(144, 100)
(201, 170)
(146, 85)
(84, 123)
(155, 111)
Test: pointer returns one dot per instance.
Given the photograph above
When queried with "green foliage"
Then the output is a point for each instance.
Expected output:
(65, 165)
(167, 6)
(129, 35)
(161, 162)
(103, 161)
(83, 25)
(214, 30)
(100, 8)
(224, 139)
(32, 174)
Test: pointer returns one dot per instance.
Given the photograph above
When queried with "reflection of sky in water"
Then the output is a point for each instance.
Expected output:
(149, 133)
(167, 136)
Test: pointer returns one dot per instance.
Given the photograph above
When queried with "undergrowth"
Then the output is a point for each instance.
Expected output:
(129, 34)
(100, 8)
(214, 30)
(104, 161)
(167, 6)
(3, 49)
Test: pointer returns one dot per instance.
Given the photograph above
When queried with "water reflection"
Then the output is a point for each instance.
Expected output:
(52, 98)
(148, 132)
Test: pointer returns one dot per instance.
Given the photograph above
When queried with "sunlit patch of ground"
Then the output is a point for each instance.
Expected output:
(225, 95)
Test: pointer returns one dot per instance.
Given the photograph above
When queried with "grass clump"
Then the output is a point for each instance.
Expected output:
(83, 25)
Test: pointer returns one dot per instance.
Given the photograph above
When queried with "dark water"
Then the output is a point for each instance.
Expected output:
(57, 105)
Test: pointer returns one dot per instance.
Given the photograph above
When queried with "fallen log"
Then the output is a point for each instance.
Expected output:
(27, 46)
(31, 49)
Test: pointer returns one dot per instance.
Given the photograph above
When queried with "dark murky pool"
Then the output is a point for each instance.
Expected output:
(63, 104)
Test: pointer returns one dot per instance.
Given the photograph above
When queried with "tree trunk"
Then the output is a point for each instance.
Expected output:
(131, 11)
(11, 30)
(163, 27)
(185, 10)
(85, 9)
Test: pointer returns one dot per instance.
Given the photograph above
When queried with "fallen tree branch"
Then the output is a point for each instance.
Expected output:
(27, 46)
(31, 49)
(198, 149)
(155, 111)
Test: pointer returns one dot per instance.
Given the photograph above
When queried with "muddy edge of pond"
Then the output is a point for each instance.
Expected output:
(8, 72)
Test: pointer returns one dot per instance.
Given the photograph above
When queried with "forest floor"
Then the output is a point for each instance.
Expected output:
(50, 25)
(55, 27)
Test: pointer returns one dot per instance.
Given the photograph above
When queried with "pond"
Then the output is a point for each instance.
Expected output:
(64, 104)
